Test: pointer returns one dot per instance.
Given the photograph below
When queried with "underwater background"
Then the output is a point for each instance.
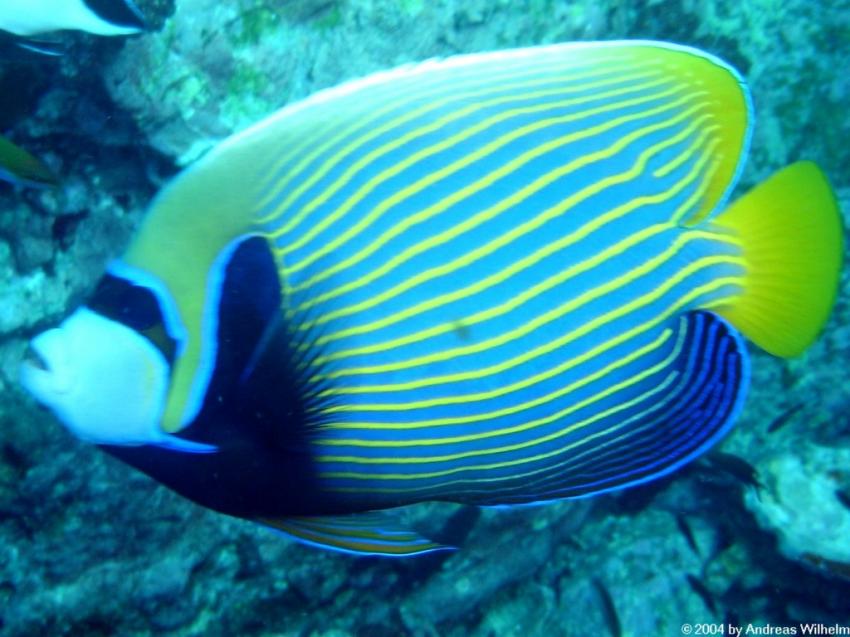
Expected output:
(756, 535)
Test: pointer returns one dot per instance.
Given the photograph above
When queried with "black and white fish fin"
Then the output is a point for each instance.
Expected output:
(374, 533)
(693, 414)
(121, 13)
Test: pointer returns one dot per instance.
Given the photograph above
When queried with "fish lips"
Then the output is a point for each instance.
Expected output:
(45, 370)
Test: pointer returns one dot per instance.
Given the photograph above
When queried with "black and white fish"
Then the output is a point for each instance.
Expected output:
(101, 17)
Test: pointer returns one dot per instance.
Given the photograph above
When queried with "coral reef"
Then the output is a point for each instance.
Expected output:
(94, 548)
(802, 506)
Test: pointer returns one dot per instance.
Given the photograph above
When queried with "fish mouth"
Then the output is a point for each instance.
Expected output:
(35, 373)
(44, 369)
(34, 359)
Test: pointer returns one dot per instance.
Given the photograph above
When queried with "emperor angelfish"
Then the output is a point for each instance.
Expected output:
(101, 17)
(493, 279)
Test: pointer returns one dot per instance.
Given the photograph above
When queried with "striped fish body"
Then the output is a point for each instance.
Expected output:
(493, 279)
(491, 263)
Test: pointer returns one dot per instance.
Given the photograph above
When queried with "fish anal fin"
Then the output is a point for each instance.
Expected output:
(374, 533)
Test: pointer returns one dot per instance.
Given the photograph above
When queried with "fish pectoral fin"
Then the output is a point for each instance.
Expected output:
(374, 533)
(792, 240)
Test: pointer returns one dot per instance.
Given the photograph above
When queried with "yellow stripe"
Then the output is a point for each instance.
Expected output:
(516, 267)
(351, 127)
(490, 465)
(493, 433)
(573, 427)
(465, 399)
(412, 159)
(494, 83)
(474, 105)
(340, 542)
(694, 201)
(595, 451)
(500, 310)
(569, 388)
(619, 425)
(466, 160)
(524, 487)
(435, 97)
(352, 530)
(506, 204)
(538, 321)
(675, 307)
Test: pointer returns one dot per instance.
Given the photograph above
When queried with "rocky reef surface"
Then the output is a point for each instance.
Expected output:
(93, 548)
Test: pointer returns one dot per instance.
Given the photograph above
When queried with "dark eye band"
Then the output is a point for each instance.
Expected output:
(134, 306)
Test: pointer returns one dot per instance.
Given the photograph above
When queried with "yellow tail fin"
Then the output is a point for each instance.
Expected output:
(792, 237)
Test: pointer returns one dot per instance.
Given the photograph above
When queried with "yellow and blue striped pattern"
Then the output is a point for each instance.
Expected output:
(495, 263)
(372, 533)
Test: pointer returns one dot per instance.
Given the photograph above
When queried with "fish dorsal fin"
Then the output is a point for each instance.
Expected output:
(373, 533)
